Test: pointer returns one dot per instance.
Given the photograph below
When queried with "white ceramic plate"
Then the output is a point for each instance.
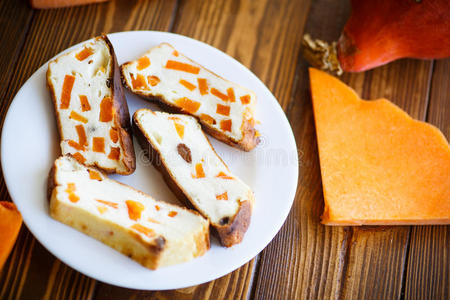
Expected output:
(30, 144)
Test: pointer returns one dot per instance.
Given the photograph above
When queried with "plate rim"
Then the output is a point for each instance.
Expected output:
(225, 271)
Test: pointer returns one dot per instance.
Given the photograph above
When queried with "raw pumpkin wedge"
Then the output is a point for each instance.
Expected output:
(10, 222)
(379, 166)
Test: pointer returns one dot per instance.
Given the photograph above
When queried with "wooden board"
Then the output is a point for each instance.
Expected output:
(50, 32)
(340, 262)
(220, 23)
(427, 270)
(306, 259)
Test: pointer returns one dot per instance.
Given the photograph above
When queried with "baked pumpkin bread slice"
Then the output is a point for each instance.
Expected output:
(91, 109)
(153, 233)
(197, 175)
(181, 85)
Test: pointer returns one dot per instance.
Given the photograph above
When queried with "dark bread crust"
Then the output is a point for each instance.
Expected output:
(230, 233)
(234, 231)
(249, 137)
(121, 114)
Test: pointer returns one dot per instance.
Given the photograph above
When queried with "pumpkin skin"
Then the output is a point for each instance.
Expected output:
(380, 31)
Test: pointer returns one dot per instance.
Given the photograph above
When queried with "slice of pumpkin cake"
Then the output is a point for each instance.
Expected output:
(195, 173)
(91, 109)
(225, 109)
(153, 233)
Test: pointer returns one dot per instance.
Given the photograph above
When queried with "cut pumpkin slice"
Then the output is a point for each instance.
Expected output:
(10, 222)
(379, 166)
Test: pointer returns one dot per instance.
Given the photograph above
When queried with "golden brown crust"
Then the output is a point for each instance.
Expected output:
(232, 231)
(155, 247)
(121, 114)
(202, 242)
(247, 143)
(51, 181)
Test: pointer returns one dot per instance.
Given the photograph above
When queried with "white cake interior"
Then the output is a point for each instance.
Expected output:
(160, 128)
(171, 89)
(101, 209)
(91, 80)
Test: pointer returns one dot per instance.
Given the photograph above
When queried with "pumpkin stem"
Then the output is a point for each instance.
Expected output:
(320, 54)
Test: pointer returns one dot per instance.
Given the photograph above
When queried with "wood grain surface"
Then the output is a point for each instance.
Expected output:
(306, 260)
(313, 255)
(427, 270)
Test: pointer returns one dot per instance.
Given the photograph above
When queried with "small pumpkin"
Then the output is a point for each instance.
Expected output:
(381, 31)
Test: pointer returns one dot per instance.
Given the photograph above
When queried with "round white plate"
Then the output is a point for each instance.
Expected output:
(30, 144)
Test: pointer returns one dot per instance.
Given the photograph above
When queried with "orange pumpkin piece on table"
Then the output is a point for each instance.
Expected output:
(379, 166)
(46, 4)
(10, 222)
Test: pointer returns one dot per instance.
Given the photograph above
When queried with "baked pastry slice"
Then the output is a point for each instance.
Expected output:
(151, 232)
(197, 175)
(91, 109)
(181, 85)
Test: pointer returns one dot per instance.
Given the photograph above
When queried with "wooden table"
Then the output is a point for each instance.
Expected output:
(306, 259)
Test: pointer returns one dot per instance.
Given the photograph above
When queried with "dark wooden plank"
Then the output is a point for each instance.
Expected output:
(427, 275)
(439, 108)
(11, 281)
(269, 46)
(231, 286)
(263, 35)
(308, 260)
(15, 17)
(32, 272)
(427, 272)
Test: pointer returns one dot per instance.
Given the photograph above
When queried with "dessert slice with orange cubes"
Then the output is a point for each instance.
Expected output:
(195, 173)
(153, 233)
(91, 109)
(224, 109)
